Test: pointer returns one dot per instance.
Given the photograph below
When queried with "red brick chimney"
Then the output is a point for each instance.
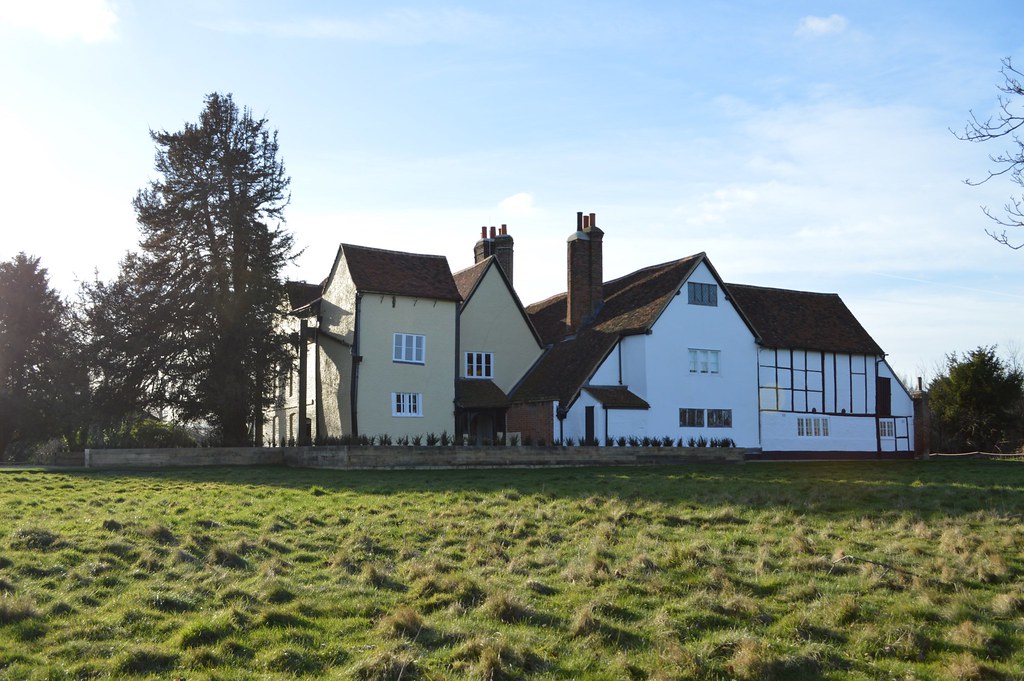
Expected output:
(499, 244)
(584, 264)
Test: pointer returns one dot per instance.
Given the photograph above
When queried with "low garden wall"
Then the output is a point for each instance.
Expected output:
(398, 457)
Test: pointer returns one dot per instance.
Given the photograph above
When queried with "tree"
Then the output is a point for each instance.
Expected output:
(189, 322)
(41, 384)
(976, 403)
(1006, 124)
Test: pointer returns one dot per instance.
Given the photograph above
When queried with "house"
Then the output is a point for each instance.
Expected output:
(673, 351)
(286, 420)
(497, 343)
(823, 382)
(401, 346)
(661, 352)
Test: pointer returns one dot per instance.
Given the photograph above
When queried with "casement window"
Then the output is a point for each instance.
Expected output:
(704, 361)
(479, 365)
(702, 294)
(716, 418)
(691, 418)
(812, 426)
(410, 348)
(719, 418)
(887, 428)
(406, 404)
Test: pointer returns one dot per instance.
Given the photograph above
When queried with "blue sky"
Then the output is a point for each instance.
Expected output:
(799, 144)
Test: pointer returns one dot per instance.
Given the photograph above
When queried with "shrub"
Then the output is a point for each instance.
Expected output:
(403, 441)
(144, 433)
(621, 441)
(569, 442)
(634, 441)
(513, 440)
(446, 439)
(432, 440)
(666, 441)
(384, 439)
(417, 440)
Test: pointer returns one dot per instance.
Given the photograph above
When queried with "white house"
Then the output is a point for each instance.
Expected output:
(401, 346)
(673, 351)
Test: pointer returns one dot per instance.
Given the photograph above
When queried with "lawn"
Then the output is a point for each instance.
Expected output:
(817, 570)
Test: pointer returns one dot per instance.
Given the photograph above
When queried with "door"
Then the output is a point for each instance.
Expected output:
(589, 434)
(883, 396)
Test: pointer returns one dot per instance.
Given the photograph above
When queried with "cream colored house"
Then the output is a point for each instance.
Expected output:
(385, 344)
(497, 342)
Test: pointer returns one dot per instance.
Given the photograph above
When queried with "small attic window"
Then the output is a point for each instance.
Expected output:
(702, 294)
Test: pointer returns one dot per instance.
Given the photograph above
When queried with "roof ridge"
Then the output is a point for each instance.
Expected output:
(388, 250)
(785, 290)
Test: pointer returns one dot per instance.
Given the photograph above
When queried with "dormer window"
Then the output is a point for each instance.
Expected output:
(479, 365)
(702, 294)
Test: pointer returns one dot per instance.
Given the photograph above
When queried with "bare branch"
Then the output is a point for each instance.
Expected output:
(1004, 125)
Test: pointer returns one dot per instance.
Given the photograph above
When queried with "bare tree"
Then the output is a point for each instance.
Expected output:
(1006, 123)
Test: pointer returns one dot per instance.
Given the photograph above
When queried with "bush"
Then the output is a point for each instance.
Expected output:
(144, 433)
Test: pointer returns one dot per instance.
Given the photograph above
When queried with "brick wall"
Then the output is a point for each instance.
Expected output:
(535, 421)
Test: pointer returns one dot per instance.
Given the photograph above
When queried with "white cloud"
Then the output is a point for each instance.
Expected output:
(811, 27)
(518, 205)
(90, 21)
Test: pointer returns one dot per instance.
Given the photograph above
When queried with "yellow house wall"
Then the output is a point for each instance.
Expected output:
(381, 316)
(491, 322)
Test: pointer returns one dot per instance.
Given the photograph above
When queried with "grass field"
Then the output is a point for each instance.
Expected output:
(707, 572)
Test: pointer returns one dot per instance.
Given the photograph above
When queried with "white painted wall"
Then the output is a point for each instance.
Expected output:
(656, 367)
(846, 433)
(849, 396)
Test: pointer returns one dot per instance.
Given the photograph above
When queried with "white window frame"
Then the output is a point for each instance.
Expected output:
(479, 364)
(812, 426)
(887, 429)
(409, 348)
(407, 405)
(705, 361)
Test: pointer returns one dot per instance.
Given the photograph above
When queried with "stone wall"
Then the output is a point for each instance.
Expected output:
(396, 457)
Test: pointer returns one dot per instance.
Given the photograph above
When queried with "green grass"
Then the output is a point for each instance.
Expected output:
(706, 572)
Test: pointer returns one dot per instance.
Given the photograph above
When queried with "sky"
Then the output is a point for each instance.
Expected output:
(802, 145)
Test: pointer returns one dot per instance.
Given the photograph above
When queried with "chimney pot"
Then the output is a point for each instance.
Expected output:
(483, 232)
(593, 220)
(493, 232)
(920, 386)
(586, 223)
(504, 230)
(579, 221)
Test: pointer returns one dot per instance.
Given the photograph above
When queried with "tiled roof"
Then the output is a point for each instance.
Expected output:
(631, 305)
(475, 393)
(467, 279)
(799, 319)
(301, 293)
(376, 270)
(617, 397)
